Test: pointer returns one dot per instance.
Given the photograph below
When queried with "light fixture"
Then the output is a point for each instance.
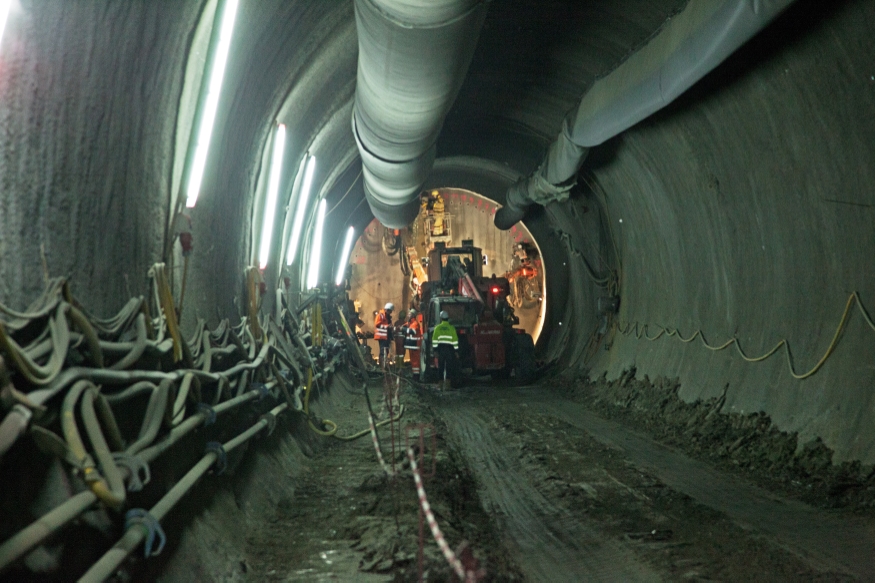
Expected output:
(5, 5)
(344, 257)
(273, 186)
(211, 103)
(316, 247)
(300, 210)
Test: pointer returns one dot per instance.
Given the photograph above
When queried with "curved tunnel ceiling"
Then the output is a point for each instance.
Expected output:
(746, 206)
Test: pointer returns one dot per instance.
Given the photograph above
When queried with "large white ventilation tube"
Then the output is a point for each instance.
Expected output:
(413, 57)
(687, 48)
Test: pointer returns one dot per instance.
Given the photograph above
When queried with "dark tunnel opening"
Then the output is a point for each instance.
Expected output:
(693, 399)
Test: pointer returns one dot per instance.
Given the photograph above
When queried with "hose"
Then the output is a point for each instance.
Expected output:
(115, 495)
(40, 308)
(178, 413)
(332, 425)
(153, 417)
(107, 418)
(640, 331)
(88, 333)
(93, 478)
(33, 372)
(98, 419)
(364, 432)
(131, 392)
(137, 349)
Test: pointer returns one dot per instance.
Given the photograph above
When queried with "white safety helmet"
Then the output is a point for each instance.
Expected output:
(411, 314)
(389, 306)
(444, 315)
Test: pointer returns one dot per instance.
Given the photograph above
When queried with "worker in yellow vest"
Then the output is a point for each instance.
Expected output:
(445, 341)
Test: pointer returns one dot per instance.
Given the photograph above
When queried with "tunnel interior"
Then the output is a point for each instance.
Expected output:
(707, 271)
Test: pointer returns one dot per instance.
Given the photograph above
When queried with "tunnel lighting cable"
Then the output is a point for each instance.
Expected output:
(640, 331)
(211, 103)
(300, 210)
(344, 257)
(316, 247)
(5, 5)
(276, 168)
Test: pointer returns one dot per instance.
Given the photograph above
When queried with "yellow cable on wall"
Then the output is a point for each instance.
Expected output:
(640, 331)
(159, 273)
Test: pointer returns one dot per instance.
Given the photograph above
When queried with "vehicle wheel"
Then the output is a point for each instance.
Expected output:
(525, 366)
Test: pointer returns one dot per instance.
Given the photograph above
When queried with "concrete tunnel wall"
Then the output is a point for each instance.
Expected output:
(728, 197)
(747, 209)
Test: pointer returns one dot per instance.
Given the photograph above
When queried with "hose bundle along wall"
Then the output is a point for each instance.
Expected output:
(413, 56)
(125, 401)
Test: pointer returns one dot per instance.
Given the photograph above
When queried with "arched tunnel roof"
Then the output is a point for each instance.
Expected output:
(715, 257)
(742, 210)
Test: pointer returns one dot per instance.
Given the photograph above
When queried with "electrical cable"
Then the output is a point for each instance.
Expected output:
(640, 331)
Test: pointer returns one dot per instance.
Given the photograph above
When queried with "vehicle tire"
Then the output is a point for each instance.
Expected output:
(525, 366)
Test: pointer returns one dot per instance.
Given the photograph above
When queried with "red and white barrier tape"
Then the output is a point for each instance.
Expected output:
(380, 459)
(455, 563)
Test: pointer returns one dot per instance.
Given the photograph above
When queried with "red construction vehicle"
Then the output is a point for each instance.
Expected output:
(480, 312)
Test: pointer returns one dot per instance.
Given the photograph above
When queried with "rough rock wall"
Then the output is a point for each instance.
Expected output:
(88, 103)
(747, 210)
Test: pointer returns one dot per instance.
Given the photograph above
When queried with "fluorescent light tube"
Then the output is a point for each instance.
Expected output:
(211, 104)
(5, 5)
(273, 186)
(301, 210)
(316, 247)
(344, 257)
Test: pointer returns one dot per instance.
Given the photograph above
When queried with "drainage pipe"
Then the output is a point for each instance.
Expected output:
(413, 57)
(688, 47)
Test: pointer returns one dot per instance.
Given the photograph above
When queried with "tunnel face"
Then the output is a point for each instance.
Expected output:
(376, 276)
(724, 243)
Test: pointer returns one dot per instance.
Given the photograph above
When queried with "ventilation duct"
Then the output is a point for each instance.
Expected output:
(413, 57)
(687, 48)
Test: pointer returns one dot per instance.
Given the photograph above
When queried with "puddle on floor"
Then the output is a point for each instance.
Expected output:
(332, 564)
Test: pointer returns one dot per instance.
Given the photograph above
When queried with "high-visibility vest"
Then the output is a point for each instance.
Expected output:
(412, 335)
(445, 333)
(381, 325)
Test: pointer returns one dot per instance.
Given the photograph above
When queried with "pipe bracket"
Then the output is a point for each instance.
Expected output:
(141, 517)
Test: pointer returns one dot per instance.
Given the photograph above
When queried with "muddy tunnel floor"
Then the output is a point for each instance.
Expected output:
(544, 488)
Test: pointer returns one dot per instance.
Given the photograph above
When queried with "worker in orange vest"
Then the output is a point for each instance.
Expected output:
(383, 332)
(413, 339)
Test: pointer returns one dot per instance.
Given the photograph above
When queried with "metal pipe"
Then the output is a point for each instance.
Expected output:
(413, 57)
(687, 48)
(107, 564)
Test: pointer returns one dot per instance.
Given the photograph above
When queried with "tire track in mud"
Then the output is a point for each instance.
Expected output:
(549, 543)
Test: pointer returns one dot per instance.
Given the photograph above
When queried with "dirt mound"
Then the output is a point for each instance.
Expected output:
(750, 443)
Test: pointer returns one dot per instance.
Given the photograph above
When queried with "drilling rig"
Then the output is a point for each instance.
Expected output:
(479, 310)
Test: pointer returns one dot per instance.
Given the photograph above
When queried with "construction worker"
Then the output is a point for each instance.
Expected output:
(383, 332)
(413, 339)
(446, 344)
